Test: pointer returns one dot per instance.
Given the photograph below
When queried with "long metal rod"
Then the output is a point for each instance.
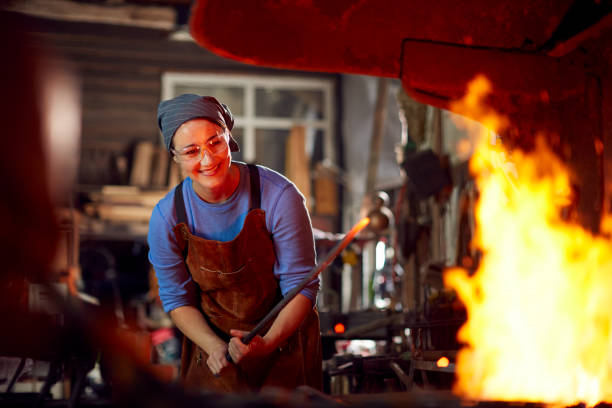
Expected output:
(311, 275)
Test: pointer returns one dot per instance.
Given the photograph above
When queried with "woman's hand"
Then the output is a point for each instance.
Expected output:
(238, 350)
(216, 360)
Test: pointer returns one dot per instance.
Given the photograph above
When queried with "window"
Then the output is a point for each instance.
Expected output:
(265, 111)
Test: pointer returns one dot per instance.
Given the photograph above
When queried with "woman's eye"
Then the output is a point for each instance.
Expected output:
(214, 142)
(191, 152)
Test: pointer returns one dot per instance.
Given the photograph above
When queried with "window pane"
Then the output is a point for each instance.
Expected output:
(303, 104)
(238, 133)
(270, 148)
(233, 97)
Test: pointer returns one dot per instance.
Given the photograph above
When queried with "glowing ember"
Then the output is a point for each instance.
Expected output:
(539, 305)
(442, 362)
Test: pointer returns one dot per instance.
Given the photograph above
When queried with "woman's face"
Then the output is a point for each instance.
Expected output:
(210, 168)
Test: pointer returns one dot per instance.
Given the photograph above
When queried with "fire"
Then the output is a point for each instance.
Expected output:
(539, 305)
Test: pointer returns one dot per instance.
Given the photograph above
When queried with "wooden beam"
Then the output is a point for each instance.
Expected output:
(163, 18)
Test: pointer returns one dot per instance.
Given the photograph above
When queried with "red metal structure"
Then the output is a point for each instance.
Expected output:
(548, 60)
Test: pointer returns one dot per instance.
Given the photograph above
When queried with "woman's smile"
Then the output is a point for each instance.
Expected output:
(210, 171)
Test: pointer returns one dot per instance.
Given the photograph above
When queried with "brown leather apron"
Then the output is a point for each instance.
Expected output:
(237, 289)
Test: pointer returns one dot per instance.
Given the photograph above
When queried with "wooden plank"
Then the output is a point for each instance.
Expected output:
(112, 96)
(326, 190)
(72, 36)
(297, 163)
(121, 83)
(120, 113)
(161, 160)
(121, 127)
(102, 144)
(120, 131)
(115, 69)
(117, 53)
(105, 69)
(118, 212)
(175, 175)
(141, 164)
(153, 92)
(151, 16)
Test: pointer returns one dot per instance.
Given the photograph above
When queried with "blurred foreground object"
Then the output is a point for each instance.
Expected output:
(40, 120)
(30, 232)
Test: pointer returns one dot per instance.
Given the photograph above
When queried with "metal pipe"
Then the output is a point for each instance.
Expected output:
(311, 275)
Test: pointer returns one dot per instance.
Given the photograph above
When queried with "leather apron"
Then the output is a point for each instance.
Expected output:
(237, 289)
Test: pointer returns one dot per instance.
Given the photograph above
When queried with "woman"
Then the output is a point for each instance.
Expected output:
(226, 245)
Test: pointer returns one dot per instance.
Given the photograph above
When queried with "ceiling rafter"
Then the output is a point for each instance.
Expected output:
(110, 12)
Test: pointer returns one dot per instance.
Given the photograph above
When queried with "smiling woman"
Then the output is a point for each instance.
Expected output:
(226, 245)
(203, 154)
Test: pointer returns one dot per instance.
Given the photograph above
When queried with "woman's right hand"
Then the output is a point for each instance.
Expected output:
(216, 359)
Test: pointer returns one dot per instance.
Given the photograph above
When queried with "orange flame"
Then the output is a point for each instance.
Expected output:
(539, 309)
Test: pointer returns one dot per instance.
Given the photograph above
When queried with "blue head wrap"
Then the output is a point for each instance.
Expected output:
(172, 113)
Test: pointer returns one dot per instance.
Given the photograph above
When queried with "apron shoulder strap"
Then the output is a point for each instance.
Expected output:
(255, 187)
(181, 214)
(179, 204)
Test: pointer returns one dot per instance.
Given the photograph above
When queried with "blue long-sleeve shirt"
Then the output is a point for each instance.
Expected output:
(287, 220)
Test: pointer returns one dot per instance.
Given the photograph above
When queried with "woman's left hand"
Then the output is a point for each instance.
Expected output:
(238, 350)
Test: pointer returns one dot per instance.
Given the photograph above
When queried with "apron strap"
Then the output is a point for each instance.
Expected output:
(181, 214)
(179, 204)
(255, 188)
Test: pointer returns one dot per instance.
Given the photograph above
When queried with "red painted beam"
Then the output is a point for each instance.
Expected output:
(365, 36)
